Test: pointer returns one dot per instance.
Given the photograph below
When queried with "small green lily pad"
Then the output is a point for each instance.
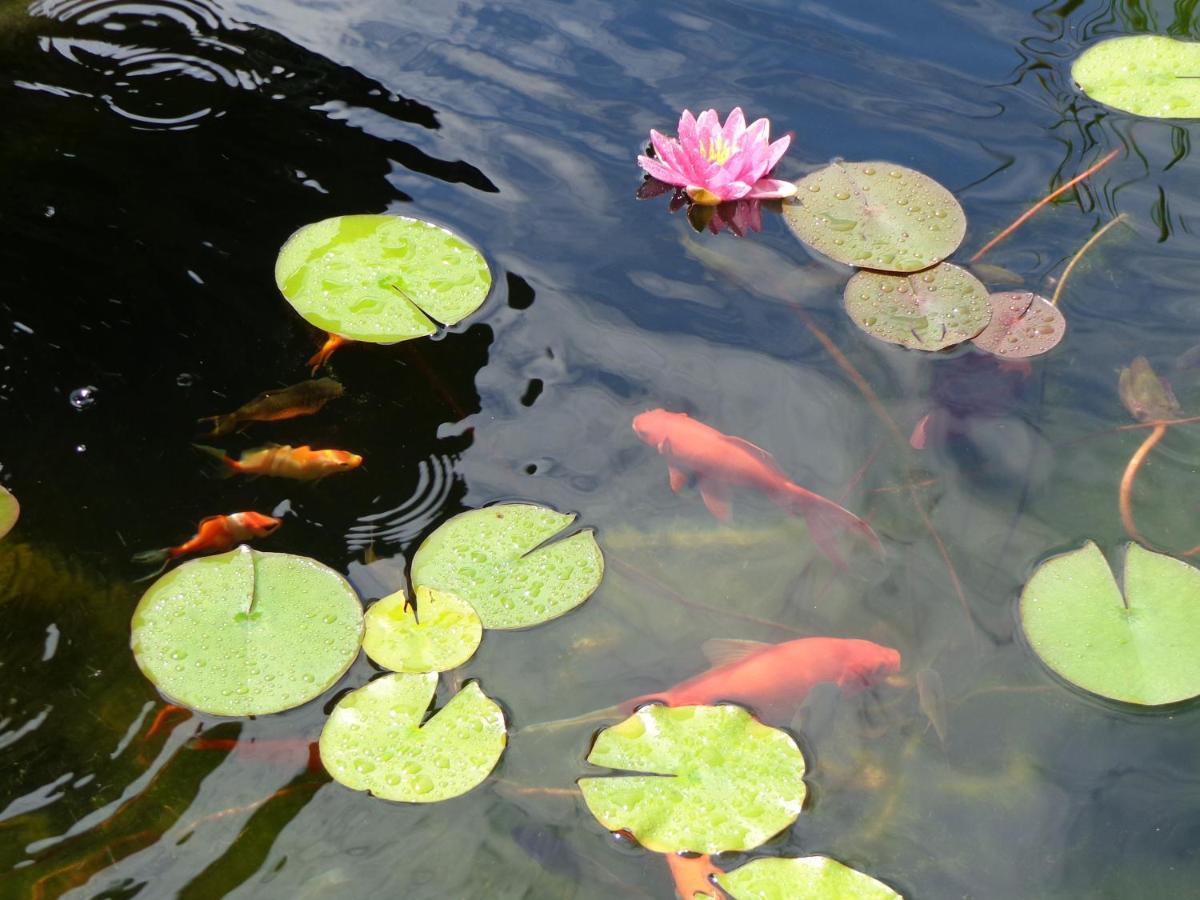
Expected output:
(802, 878)
(494, 560)
(246, 633)
(1146, 74)
(375, 740)
(716, 779)
(381, 278)
(1023, 325)
(10, 511)
(440, 632)
(1148, 397)
(876, 215)
(930, 310)
(1143, 647)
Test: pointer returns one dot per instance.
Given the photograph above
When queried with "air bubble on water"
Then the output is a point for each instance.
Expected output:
(83, 397)
(185, 379)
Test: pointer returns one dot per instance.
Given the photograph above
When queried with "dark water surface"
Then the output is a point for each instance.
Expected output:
(154, 156)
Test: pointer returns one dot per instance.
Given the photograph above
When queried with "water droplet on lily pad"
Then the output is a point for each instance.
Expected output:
(857, 214)
(375, 741)
(10, 511)
(438, 632)
(731, 782)
(1141, 646)
(945, 306)
(381, 278)
(1146, 74)
(1023, 325)
(802, 878)
(493, 557)
(257, 614)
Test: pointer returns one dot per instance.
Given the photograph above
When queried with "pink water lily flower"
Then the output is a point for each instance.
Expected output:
(715, 162)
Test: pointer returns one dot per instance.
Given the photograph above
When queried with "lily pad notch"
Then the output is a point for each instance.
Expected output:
(381, 278)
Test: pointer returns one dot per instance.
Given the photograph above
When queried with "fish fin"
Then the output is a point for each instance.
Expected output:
(919, 439)
(678, 477)
(753, 449)
(723, 651)
(826, 520)
(931, 697)
(228, 466)
(152, 557)
(220, 425)
(716, 497)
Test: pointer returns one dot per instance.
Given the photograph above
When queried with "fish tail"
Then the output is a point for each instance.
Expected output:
(158, 558)
(826, 521)
(221, 425)
(228, 467)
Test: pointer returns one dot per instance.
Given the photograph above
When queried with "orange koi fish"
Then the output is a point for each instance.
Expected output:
(301, 399)
(296, 752)
(214, 535)
(772, 679)
(693, 877)
(301, 463)
(321, 357)
(720, 461)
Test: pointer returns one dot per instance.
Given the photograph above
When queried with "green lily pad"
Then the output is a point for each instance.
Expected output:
(717, 779)
(929, 310)
(1145, 74)
(802, 878)
(245, 633)
(494, 560)
(1147, 397)
(876, 215)
(10, 510)
(440, 632)
(1023, 325)
(1143, 647)
(381, 278)
(375, 740)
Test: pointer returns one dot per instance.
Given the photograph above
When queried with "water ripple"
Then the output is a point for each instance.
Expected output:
(412, 518)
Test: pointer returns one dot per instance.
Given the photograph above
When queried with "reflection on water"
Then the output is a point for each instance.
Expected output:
(141, 247)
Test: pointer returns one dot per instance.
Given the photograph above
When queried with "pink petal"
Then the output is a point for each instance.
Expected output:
(776, 150)
(757, 133)
(661, 172)
(771, 188)
(707, 125)
(735, 126)
(670, 154)
(687, 129)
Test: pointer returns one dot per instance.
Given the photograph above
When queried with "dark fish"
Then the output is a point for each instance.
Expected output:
(301, 399)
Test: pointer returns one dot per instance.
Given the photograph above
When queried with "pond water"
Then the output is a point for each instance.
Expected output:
(156, 154)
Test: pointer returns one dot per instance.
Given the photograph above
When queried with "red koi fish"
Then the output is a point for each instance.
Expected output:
(321, 357)
(720, 461)
(214, 535)
(694, 877)
(301, 463)
(773, 679)
(272, 751)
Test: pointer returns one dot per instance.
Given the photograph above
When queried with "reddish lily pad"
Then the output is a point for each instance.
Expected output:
(876, 215)
(10, 510)
(1023, 325)
(929, 310)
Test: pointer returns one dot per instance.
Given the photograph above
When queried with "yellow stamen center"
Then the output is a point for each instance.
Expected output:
(718, 150)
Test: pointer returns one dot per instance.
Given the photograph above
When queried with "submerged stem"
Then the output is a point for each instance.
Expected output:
(1125, 495)
(1079, 255)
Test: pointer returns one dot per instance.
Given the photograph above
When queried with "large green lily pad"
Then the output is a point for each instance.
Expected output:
(1141, 647)
(876, 215)
(381, 278)
(929, 310)
(1148, 397)
(375, 740)
(245, 633)
(1145, 74)
(1023, 325)
(716, 779)
(439, 632)
(10, 511)
(802, 878)
(494, 560)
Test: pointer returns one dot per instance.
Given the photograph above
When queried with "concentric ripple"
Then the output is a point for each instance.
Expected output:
(412, 518)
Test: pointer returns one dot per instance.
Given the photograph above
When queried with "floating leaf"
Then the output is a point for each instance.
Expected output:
(494, 560)
(717, 779)
(1147, 397)
(1023, 324)
(876, 215)
(802, 878)
(380, 278)
(930, 310)
(1147, 75)
(1143, 647)
(245, 633)
(375, 740)
(438, 633)
(10, 510)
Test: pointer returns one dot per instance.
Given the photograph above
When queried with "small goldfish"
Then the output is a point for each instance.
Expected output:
(772, 679)
(214, 535)
(301, 463)
(720, 461)
(301, 399)
(321, 357)
(694, 877)
(292, 752)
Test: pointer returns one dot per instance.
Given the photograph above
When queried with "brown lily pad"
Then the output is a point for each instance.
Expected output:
(1023, 325)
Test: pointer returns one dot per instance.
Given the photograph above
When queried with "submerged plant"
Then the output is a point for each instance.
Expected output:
(714, 163)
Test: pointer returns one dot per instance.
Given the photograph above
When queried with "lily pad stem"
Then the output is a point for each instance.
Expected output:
(600, 715)
(1125, 496)
(1079, 255)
